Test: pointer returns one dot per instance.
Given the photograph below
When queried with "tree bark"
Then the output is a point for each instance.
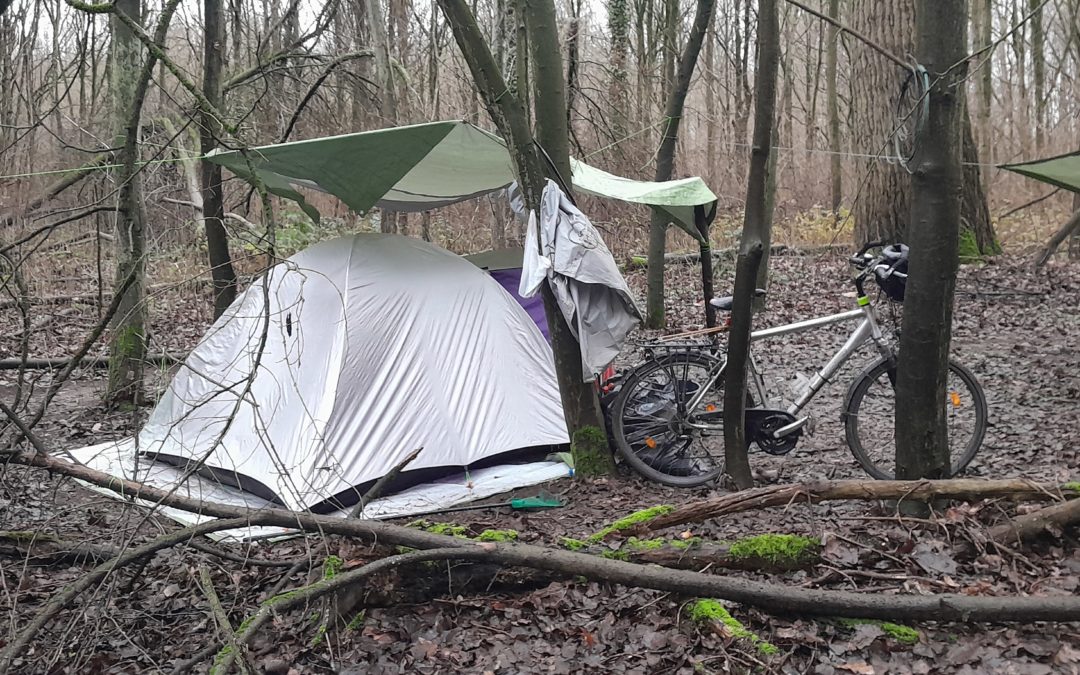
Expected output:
(751, 247)
(128, 88)
(922, 440)
(665, 155)
(1038, 70)
(213, 198)
(1071, 226)
(883, 209)
(849, 490)
(833, 104)
(580, 403)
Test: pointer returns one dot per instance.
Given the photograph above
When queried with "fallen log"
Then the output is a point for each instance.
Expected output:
(40, 548)
(86, 362)
(1071, 225)
(50, 300)
(1029, 526)
(768, 553)
(771, 597)
(847, 490)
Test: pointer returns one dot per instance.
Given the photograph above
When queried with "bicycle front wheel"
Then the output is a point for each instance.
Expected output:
(870, 419)
(651, 420)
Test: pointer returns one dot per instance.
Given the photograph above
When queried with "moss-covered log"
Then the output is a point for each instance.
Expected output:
(765, 552)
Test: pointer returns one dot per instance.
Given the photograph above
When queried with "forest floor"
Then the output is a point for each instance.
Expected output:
(1017, 330)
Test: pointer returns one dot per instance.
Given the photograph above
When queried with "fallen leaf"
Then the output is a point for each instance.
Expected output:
(861, 667)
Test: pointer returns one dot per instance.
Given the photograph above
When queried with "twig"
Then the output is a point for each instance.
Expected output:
(63, 598)
(283, 603)
(853, 33)
(376, 490)
(223, 623)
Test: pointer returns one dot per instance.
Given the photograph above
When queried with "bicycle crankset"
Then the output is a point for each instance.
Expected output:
(760, 425)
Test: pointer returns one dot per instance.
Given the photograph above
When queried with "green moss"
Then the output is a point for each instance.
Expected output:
(615, 555)
(219, 659)
(331, 566)
(497, 535)
(402, 550)
(357, 621)
(778, 549)
(968, 251)
(591, 452)
(711, 611)
(573, 544)
(320, 635)
(636, 518)
(645, 544)
(281, 597)
(902, 634)
(683, 544)
(447, 529)
(1073, 486)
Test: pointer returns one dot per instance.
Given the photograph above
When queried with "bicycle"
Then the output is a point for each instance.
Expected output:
(667, 418)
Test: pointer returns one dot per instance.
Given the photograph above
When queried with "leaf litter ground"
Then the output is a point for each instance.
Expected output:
(1016, 329)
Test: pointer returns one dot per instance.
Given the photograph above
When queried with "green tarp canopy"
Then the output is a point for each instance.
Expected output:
(426, 166)
(1062, 171)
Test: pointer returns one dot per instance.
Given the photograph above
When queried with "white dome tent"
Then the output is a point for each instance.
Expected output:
(371, 346)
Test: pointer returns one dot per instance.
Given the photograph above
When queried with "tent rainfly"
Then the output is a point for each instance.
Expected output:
(1062, 171)
(426, 166)
(343, 360)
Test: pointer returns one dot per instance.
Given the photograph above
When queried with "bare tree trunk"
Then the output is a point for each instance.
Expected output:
(654, 295)
(665, 156)
(217, 239)
(618, 85)
(751, 247)
(985, 85)
(580, 403)
(129, 327)
(1038, 71)
(883, 208)
(711, 174)
(833, 103)
(922, 441)
(1071, 226)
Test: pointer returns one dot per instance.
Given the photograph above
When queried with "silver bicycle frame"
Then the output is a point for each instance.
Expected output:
(868, 329)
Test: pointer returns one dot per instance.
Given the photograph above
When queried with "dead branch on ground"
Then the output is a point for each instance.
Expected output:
(771, 597)
(847, 490)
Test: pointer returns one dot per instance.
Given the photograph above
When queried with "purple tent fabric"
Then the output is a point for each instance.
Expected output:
(510, 279)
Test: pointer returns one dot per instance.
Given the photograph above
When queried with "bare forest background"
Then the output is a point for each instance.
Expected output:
(295, 70)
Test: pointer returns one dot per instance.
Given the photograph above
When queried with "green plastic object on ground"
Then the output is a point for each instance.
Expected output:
(543, 500)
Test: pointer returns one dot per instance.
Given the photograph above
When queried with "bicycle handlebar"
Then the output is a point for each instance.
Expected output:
(859, 259)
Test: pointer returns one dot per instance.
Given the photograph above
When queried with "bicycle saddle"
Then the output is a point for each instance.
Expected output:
(725, 303)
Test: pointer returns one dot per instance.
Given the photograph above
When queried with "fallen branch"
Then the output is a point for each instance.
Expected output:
(39, 548)
(771, 597)
(302, 596)
(376, 490)
(1070, 226)
(64, 597)
(50, 300)
(222, 621)
(88, 361)
(1036, 523)
(847, 490)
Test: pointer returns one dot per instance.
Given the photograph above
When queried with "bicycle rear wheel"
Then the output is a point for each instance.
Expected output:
(650, 420)
(870, 419)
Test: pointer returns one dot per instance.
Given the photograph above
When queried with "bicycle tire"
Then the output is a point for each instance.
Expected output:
(627, 448)
(854, 401)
